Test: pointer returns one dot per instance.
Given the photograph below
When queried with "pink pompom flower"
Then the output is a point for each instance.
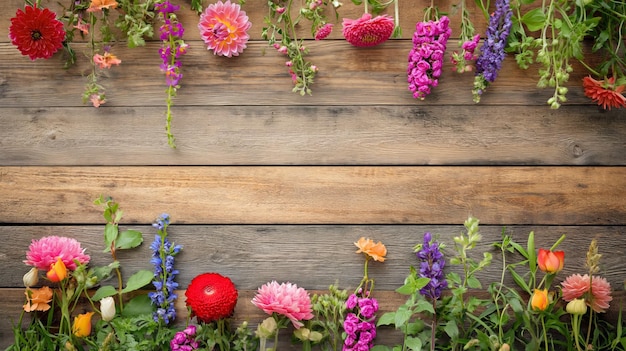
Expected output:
(367, 31)
(324, 31)
(285, 299)
(44, 252)
(224, 28)
(597, 292)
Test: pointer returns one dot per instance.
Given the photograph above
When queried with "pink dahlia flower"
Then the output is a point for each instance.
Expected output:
(285, 299)
(44, 252)
(224, 28)
(324, 31)
(577, 286)
(367, 31)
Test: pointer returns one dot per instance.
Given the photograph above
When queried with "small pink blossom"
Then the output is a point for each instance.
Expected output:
(46, 251)
(82, 26)
(324, 31)
(367, 31)
(285, 299)
(106, 61)
(96, 100)
(578, 286)
(224, 28)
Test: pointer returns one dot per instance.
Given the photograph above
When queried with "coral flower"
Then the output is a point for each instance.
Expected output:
(377, 251)
(82, 325)
(43, 253)
(38, 299)
(540, 301)
(550, 261)
(285, 299)
(99, 5)
(36, 32)
(367, 31)
(597, 292)
(57, 271)
(224, 28)
(211, 296)
(106, 61)
(605, 93)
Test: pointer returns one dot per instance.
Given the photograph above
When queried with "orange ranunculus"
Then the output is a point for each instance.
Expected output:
(550, 261)
(57, 271)
(377, 251)
(82, 325)
(38, 299)
(540, 301)
(99, 5)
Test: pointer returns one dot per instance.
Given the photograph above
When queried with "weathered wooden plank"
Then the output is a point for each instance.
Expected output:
(254, 255)
(319, 195)
(259, 77)
(310, 135)
(257, 10)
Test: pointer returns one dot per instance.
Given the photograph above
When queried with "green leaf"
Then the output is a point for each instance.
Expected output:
(534, 19)
(129, 239)
(138, 305)
(402, 315)
(414, 328)
(103, 292)
(452, 330)
(519, 280)
(423, 305)
(138, 280)
(473, 283)
(110, 235)
(380, 348)
(387, 318)
(532, 255)
(413, 343)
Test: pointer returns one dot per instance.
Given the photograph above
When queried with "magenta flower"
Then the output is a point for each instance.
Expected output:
(44, 252)
(224, 28)
(324, 31)
(367, 31)
(285, 299)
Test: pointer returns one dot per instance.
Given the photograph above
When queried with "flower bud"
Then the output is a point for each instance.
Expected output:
(82, 325)
(550, 261)
(31, 278)
(539, 301)
(505, 347)
(57, 271)
(267, 328)
(107, 308)
(576, 306)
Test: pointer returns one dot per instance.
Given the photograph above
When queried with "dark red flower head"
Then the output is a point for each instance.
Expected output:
(211, 296)
(36, 32)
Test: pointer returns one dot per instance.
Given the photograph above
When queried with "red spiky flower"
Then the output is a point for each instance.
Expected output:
(211, 297)
(36, 32)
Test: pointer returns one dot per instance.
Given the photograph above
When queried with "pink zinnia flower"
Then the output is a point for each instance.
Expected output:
(285, 299)
(44, 252)
(224, 28)
(324, 31)
(367, 31)
(577, 286)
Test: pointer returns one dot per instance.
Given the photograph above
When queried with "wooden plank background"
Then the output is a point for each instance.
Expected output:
(266, 184)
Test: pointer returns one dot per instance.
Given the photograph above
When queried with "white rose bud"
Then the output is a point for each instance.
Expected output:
(107, 308)
(31, 278)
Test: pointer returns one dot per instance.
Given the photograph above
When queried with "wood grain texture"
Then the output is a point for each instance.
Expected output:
(309, 195)
(314, 135)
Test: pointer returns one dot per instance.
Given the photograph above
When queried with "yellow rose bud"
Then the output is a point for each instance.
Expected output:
(576, 306)
(540, 301)
(82, 325)
(57, 271)
(31, 278)
(107, 308)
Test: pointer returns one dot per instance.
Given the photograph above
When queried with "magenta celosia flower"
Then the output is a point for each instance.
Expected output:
(44, 252)
(367, 31)
(224, 28)
(324, 31)
(577, 286)
(284, 299)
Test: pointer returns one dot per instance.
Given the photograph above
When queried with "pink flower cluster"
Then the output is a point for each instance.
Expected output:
(462, 62)
(44, 252)
(360, 323)
(595, 290)
(285, 299)
(426, 57)
(185, 340)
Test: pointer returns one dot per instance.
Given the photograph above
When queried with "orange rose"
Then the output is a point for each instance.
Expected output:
(550, 261)
(38, 299)
(377, 251)
(82, 325)
(540, 301)
(57, 271)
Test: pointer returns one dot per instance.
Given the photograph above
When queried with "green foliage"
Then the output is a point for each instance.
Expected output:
(329, 310)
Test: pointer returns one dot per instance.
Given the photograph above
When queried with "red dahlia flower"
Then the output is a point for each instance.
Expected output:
(605, 93)
(367, 31)
(211, 296)
(36, 32)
